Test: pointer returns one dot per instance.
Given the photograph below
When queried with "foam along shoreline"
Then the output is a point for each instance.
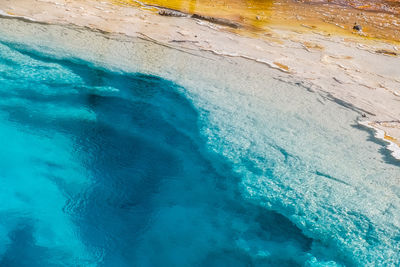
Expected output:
(290, 146)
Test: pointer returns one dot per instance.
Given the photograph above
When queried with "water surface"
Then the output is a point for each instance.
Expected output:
(109, 169)
(106, 168)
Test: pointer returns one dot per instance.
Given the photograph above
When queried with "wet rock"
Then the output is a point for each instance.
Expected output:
(220, 21)
(357, 27)
(387, 52)
(172, 13)
(176, 13)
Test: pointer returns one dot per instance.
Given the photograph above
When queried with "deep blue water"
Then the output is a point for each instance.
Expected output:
(100, 168)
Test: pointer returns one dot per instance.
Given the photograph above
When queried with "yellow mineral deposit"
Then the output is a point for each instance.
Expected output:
(372, 19)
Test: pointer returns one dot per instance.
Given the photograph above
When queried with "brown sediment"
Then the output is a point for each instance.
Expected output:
(310, 45)
(386, 6)
(377, 19)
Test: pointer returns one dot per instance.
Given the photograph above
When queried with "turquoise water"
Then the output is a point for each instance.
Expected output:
(105, 168)
(109, 169)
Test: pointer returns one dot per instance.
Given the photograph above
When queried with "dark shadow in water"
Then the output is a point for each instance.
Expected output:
(23, 252)
(158, 197)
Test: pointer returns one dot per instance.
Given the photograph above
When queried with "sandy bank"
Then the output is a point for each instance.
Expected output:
(364, 74)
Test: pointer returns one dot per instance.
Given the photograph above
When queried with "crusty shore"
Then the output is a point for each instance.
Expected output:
(362, 73)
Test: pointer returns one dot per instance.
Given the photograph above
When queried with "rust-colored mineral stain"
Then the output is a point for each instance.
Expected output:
(282, 66)
(391, 139)
(310, 45)
(377, 19)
